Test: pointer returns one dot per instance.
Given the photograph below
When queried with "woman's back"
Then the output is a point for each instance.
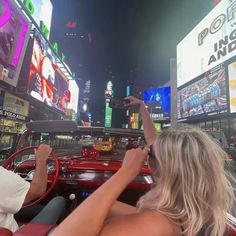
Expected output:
(192, 185)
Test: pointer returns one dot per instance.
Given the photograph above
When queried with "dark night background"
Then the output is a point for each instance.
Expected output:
(122, 40)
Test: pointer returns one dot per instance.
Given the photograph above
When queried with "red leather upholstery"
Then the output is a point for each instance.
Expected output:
(33, 229)
(5, 232)
(230, 230)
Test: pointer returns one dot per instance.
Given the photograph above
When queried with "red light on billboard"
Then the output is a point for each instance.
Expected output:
(90, 38)
(71, 24)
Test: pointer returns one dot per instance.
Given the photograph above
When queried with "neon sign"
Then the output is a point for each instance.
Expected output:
(56, 49)
(29, 6)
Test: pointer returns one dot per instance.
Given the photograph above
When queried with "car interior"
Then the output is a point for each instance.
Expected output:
(75, 170)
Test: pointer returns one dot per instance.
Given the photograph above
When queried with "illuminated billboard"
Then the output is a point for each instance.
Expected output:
(232, 85)
(47, 83)
(74, 90)
(204, 96)
(210, 43)
(158, 103)
(108, 110)
(14, 35)
(41, 12)
(108, 115)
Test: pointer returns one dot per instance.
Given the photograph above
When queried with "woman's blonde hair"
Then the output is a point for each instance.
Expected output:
(192, 187)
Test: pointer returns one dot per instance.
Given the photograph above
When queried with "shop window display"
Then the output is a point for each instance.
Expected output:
(13, 126)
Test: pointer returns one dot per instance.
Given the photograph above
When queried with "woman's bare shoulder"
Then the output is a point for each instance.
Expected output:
(142, 223)
(163, 225)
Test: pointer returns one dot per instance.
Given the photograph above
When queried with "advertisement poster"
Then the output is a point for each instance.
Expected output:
(14, 32)
(108, 115)
(209, 44)
(74, 90)
(134, 120)
(158, 103)
(232, 86)
(46, 82)
(207, 95)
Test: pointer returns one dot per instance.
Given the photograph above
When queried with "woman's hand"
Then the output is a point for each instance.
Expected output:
(134, 160)
(133, 101)
(149, 129)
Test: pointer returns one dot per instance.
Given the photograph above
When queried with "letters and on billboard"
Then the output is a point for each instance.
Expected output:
(210, 43)
(206, 65)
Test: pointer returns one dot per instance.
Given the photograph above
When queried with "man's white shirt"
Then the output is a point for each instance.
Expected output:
(13, 190)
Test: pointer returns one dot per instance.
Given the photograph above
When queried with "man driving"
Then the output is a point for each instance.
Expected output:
(15, 192)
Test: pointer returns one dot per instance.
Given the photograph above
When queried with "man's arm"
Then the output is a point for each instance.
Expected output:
(38, 185)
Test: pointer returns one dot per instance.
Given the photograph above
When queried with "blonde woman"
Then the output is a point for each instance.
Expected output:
(190, 197)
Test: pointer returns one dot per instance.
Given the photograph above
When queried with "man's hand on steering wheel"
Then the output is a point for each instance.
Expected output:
(42, 153)
(38, 185)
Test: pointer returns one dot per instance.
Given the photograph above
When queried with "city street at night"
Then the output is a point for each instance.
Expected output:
(117, 118)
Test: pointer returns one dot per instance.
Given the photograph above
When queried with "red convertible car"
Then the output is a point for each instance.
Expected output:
(74, 170)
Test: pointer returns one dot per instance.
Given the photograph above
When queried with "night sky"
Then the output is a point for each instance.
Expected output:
(128, 39)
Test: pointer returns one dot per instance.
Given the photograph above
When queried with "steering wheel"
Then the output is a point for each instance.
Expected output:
(10, 160)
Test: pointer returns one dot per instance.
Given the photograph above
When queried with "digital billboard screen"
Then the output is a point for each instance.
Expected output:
(74, 90)
(14, 35)
(40, 11)
(158, 103)
(209, 44)
(205, 96)
(47, 83)
(232, 85)
(206, 59)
